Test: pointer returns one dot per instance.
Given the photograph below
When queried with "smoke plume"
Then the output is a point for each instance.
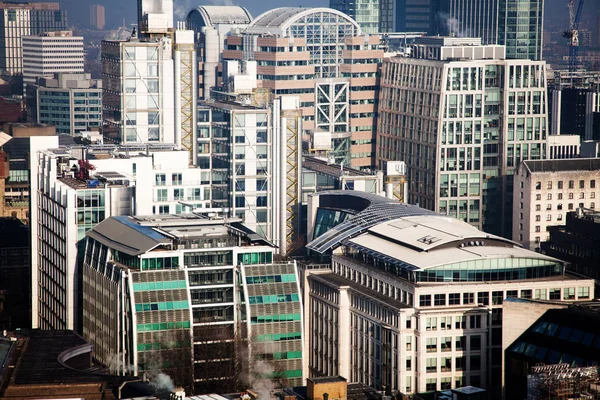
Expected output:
(162, 381)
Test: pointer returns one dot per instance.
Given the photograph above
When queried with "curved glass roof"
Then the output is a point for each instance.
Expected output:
(324, 30)
(375, 209)
(214, 15)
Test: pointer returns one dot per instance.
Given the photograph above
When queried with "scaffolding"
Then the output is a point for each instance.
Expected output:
(562, 382)
(293, 170)
(185, 94)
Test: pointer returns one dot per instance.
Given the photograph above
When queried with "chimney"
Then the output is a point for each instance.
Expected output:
(177, 394)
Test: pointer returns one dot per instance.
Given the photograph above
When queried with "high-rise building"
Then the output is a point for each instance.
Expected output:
(462, 126)
(521, 28)
(97, 16)
(545, 191)
(71, 102)
(413, 300)
(324, 58)
(253, 150)
(365, 13)
(50, 53)
(76, 188)
(24, 19)
(198, 298)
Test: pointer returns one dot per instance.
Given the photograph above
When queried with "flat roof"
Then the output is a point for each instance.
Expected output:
(318, 165)
(564, 165)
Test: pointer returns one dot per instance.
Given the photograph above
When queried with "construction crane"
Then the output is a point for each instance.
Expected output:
(573, 33)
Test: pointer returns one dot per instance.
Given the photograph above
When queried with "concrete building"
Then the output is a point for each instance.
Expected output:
(253, 153)
(97, 17)
(71, 102)
(199, 298)
(413, 299)
(563, 146)
(577, 240)
(77, 187)
(462, 125)
(544, 191)
(211, 25)
(322, 56)
(24, 19)
(50, 53)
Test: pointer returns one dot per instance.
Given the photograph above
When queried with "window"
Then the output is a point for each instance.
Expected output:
(593, 184)
(475, 363)
(593, 195)
(560, 196)
(408, 363)
(431, 344)
(570, 196)
(581, 195)
(570, 206)
(446, 383)
(454, 298)
(430, 385)
(483, 298)
(540, 294)
(425, 300)
(538, 228)
(446, 343)
(460, 322)
(440, 299)
(431, 324)
(468, 298)
(571, 184)
(549, 196)
(526, 294)
(555, 294)
(460, 363)
(549, 207)
(408, 323)
(582, 184)
(512, 293)
(475, 343)
(445, 323)
(460, 343)
(583, 293)
(549, 217)
(475, 322)
(497, 297)
(550, 185)
(569, 293)
(538, 197)
(560, 184)
(559, 206)
(559, 217)
(408, 343)
(538, 207)
(178, 194)
(446, 364)
(161, 195)
(592, 205)
(538, 185)
(538, 218)
(176, 178)
(161, 179)
(431, 365)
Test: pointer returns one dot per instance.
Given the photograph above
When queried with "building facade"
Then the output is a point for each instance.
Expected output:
(97, 16)
(462, 127)
(209, 286)
(322, 56)
(521, 28)
(23, 19)
(78, 187)
(545, 191)
(413, 300)
(71, 102)
(50, 53)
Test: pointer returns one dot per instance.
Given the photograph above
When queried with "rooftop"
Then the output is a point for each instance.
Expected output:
(318, 165)
(278, 20)
(564, 165)
(215, 15)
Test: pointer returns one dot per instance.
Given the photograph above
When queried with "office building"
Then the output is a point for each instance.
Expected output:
(365, 13)
(76, 188)
(323, 57)
(590, 149)
(97, 17)
(71, 102)
(24, 19)
(49, 53)
(521, 28)
(462, 126)
(577, 241)
(253, 150)
(211, 25)
(200, 298)
(545, 191)
(563, 146)
(150, 81)
(413, 299)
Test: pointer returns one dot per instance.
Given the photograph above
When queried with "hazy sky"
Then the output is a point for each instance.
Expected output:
(556, 10)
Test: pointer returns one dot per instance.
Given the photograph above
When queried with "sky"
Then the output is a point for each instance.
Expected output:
(116, 10)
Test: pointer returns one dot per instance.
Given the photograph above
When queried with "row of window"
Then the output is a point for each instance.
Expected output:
(162, 345)
(167, 285)
(284, 355)
(262, 319)
(460, 343)
(570, 195)
(253, 280)
(273, 299)
(162, 306)
(571, 184)
(277, 337)
(163, 326)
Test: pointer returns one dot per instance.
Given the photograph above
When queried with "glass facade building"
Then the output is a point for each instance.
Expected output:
(521, 28)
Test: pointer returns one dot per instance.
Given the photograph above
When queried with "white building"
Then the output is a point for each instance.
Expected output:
(563, 146)
(78, 187)
(413, 300)
(462, 117)
(545, 191)
(50, 53)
